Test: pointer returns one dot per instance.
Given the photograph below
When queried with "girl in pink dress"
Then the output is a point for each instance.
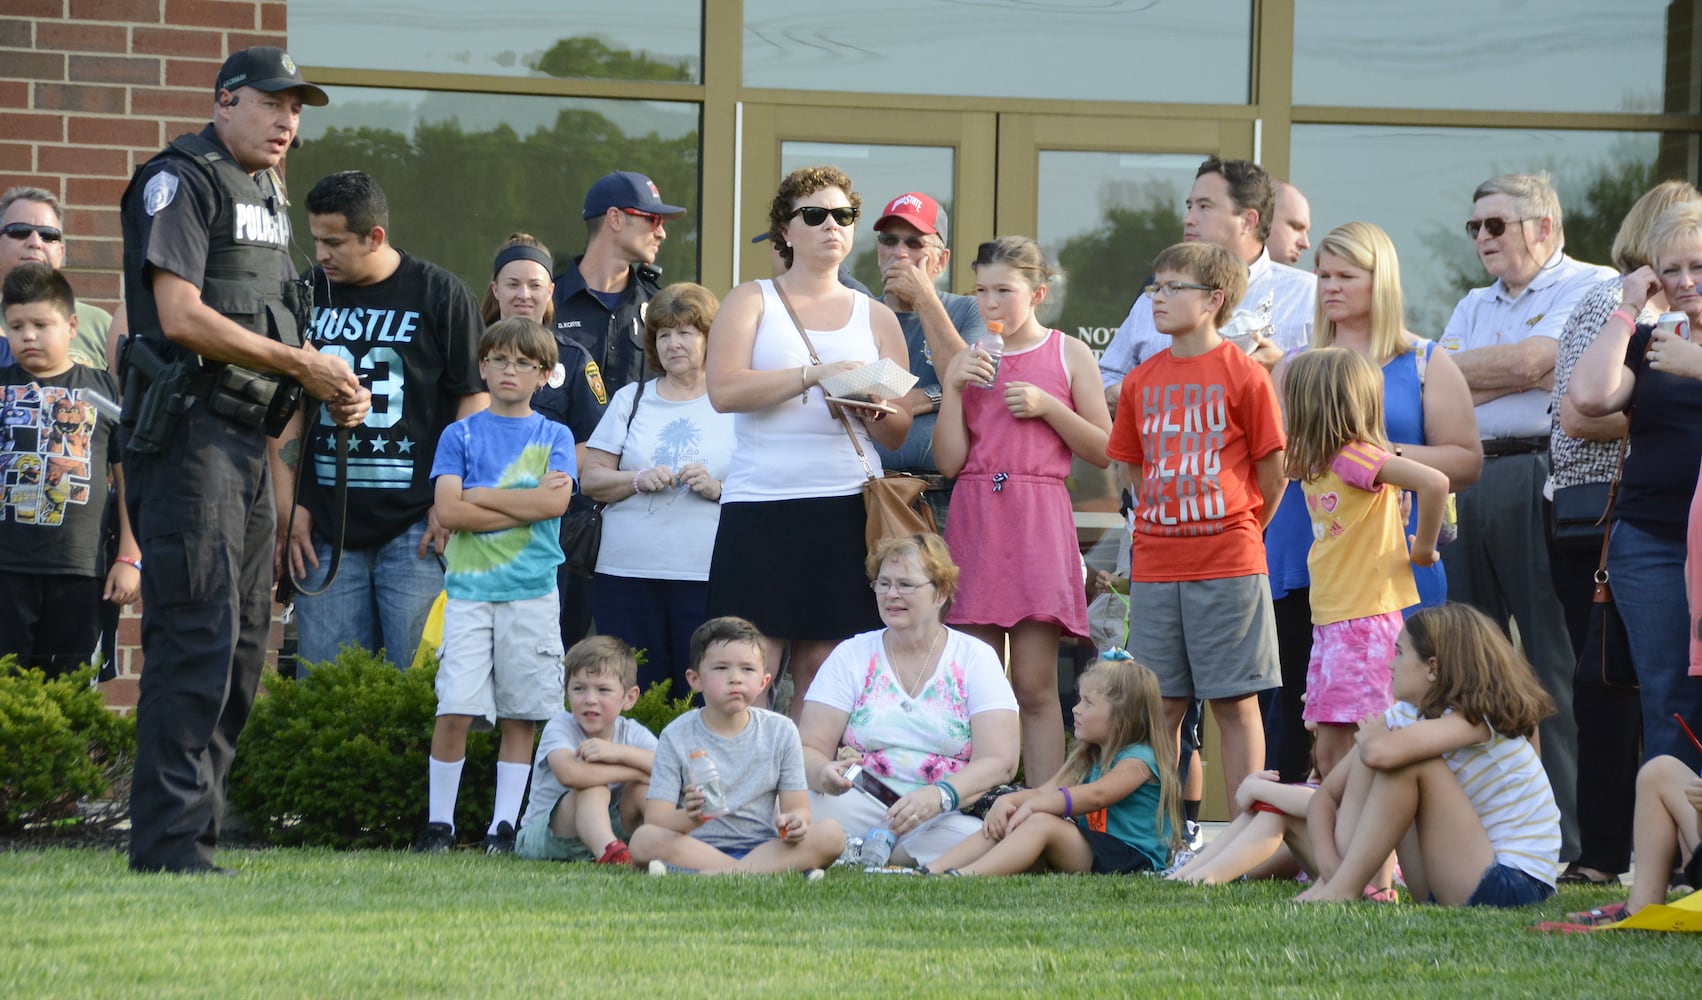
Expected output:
(1006, 432)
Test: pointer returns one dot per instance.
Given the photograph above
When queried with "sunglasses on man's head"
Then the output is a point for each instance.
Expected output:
(21, 231)
(814, 215)
(1494, 224)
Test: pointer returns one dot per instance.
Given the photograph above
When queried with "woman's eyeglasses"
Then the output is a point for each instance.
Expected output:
(814, 215)
(881, 585)
(893, 239)
(1494, 224)
(513, 365)
(21, 231)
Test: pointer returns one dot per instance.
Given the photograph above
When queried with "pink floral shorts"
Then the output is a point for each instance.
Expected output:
(1348, 675)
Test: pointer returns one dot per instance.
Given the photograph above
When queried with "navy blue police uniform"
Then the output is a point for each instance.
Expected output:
(201, 505)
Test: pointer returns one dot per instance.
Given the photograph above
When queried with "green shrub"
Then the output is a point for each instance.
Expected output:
(338, 758)
(59, 744)
(654, 709)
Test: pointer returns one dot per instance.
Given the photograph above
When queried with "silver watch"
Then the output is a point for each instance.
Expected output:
(934, 393)
(945, 800)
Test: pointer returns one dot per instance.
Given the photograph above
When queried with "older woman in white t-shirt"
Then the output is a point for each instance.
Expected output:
(657, 459)
(924, 708)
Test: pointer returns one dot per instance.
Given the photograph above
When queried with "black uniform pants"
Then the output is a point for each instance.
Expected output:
(204, 517)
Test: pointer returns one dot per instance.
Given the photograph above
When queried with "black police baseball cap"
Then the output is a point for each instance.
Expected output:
(625, 189)
(270, 69)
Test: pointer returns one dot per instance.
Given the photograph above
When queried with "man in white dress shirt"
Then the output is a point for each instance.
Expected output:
(1231, 204)
(1504, 338)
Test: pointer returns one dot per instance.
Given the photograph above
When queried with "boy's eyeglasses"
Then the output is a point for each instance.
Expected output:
(21, 231)
(656, 221)
(513, 365)
(893, 239)
(1495, 224)
(1170, 288)
(814, 215)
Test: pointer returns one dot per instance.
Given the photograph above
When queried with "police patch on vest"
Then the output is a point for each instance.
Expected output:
(558, 376)
(256, 224)
(594, 379)
(161, 189)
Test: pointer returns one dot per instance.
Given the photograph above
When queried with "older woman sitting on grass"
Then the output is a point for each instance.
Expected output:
(924, 708)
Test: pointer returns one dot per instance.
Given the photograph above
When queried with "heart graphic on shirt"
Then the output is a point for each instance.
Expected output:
(1328, 502)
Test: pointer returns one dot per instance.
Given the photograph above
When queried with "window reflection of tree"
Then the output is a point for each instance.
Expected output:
(457, 189)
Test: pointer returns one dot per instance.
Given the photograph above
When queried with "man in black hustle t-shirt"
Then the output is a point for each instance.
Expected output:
(411, 329)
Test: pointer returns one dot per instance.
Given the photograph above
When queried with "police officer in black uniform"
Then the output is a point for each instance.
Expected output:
(599, 310)
(215, 363)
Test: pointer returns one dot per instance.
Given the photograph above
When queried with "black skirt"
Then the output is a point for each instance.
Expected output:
(794, 568)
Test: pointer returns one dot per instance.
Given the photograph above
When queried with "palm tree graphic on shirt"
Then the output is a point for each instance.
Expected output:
(676, 445)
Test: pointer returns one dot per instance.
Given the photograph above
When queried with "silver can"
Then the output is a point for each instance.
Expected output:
(1675, 323)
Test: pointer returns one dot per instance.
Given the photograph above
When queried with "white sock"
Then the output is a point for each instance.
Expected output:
(445, 786)
(510, 789)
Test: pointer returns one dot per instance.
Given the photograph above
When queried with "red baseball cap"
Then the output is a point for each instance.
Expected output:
(917, 209)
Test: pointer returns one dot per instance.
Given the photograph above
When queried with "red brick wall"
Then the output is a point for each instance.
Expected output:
(89, 89)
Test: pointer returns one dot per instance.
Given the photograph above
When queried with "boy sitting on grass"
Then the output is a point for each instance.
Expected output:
(593, 765)
(503, 478)
(761, 764)
(54, 461)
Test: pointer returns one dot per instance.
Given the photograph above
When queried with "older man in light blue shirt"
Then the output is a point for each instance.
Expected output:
(1504, 338)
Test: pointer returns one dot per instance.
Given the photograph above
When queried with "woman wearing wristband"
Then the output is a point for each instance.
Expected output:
(657, 459)
(924, 708)
(789, 550)
(1657, 376)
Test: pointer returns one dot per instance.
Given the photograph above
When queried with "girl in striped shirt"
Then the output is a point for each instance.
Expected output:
(1450, 778)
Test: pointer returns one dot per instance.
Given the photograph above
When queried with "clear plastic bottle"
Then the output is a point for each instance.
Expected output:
(992, 345)
(707, 778)
(877, 847)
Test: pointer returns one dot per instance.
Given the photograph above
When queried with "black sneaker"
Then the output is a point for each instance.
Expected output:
(435, 839)
(502, 841)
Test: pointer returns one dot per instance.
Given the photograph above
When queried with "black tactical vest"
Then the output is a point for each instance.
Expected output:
(248, 279)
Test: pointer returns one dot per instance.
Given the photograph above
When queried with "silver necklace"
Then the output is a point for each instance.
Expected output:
(914, 687)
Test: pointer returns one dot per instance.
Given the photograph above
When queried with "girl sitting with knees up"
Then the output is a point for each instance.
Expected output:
(1454, 784)
(1113, 808)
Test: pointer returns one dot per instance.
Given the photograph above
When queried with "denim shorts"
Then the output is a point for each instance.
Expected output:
(1504, 886)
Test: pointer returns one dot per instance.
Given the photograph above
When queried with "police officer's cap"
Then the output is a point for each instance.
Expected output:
(270, 69)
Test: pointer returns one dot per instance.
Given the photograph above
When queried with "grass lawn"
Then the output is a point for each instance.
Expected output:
(308, 923)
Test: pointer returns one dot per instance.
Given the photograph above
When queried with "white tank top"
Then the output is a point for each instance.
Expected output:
(797, 449)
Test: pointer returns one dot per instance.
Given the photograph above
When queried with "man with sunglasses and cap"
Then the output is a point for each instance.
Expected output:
(1504, 338)
(215, 359)
(910, 247)
(32, 230)
(599, 306)
(600, 300)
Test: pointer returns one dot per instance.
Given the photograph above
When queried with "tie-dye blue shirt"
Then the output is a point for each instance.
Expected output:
(507, 453)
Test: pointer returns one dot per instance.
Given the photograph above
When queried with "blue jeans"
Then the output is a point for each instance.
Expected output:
(1647, 575)
(379, 600)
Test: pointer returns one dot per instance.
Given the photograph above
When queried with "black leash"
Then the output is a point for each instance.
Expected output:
(340, 500)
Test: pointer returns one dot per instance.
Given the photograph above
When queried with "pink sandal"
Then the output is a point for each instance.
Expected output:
(1601, 916)
(1384, 895)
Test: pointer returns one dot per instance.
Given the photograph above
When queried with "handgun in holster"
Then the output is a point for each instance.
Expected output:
(156, 393)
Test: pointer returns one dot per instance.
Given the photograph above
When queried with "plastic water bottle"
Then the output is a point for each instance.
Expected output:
(708, 780)
(993, 345)
(877, 847)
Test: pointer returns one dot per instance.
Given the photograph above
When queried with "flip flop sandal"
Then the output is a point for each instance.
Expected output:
(1387, 894)
(1575, 875)
(1562, 927)
(1613, 913)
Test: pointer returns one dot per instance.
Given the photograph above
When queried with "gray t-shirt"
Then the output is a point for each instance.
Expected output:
(563, 733)
(765, 759)
(917, 452)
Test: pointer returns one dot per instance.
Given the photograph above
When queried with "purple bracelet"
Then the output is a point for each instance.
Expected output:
(1069, 806)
